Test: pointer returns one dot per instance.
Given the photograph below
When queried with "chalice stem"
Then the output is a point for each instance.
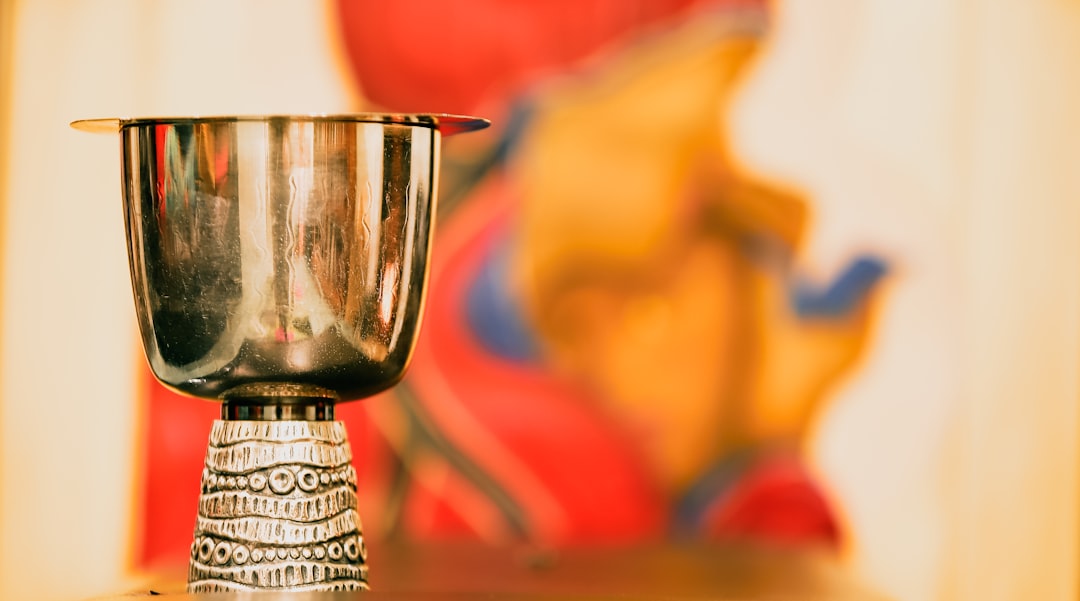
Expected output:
(277, 510)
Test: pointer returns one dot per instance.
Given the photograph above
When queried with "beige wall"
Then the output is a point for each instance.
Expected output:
(6, 34)
(1016, 504)
(67, 341)
(7, 29)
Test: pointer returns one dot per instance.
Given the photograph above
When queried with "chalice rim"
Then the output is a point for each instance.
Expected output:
(447, 124)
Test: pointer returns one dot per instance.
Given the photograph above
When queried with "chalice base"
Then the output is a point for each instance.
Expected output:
(277, 510)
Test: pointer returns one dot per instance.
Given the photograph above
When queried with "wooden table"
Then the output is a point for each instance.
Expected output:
(463, 572)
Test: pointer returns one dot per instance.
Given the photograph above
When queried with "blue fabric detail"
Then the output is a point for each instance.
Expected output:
(707, 489)
(490, 312)
(517, 122)
(493, 315)
(845, 293)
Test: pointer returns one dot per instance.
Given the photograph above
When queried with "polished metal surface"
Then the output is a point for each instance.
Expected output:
(280, 257)
(277, 510)
(255, 408)
(448, 125)
(278, 265)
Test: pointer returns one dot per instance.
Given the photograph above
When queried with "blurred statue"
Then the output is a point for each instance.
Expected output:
(618, 345)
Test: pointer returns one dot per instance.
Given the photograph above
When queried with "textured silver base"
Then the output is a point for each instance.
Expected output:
(277, 510)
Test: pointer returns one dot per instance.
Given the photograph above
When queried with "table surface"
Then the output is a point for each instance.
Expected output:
(463, 572)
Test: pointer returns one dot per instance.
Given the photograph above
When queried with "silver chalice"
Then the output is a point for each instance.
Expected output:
(279, 265)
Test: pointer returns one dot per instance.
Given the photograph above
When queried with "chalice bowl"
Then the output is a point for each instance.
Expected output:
(278, 266)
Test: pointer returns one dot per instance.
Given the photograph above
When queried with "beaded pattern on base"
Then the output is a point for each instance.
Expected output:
(277, 510)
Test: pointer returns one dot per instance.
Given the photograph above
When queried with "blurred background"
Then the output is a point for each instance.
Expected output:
(798, 274)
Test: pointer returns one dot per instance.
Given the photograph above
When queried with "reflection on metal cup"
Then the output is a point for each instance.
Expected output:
(279, 265)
